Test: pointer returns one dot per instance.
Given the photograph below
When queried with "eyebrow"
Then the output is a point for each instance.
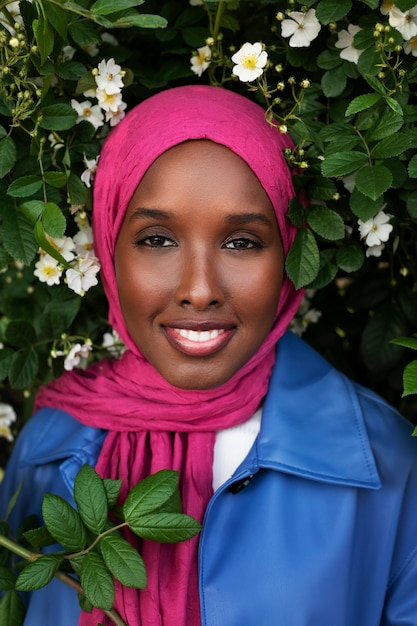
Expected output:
(233, 218)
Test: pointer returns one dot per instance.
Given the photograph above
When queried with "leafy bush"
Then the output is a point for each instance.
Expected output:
(338, 75)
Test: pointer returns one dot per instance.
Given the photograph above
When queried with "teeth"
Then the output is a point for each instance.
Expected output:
(199, 336)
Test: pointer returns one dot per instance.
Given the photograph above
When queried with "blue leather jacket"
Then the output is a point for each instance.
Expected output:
(317, 527)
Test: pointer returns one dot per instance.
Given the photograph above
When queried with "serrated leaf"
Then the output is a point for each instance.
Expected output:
(20, 334)
(333, 82)
(39, 573)
(412, 167)
(361, 103)
(394, 105)
(391, 146)
(145, 20)
(97, 582)
(39, 537)
(44, 37)
(327, 270)
(321, 188)
(124, 562)
(12, 611)
(332, 10)
(362, 206)
(7, 155)
(326, 222)
(406, 342)
(53, 220)
(410, 379)
(24, 186)
(90, 498)
(303, 259)
(32, 209)
(58, 117)
(149, 494)
(388, 124)
(106, 7)
(45, 244)
(64, 523)
(373, 180)
(7, 578)
(350, 257)
(165, 527)
(23, 368)
(56, 179)
(6, 357)
(112, 488)
(343, 163)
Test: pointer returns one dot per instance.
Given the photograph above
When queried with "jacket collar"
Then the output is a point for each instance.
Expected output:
(312, 421)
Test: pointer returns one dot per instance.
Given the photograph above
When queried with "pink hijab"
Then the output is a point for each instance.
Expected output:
(153, 425)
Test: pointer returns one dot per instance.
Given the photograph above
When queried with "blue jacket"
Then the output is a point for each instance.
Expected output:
(317, 527)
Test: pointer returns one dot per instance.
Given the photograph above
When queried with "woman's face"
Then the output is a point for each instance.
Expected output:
(199, 265)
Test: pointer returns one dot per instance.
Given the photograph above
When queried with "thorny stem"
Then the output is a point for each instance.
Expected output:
(65, 578)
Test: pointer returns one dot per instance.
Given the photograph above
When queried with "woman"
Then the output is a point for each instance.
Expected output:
(304, 481)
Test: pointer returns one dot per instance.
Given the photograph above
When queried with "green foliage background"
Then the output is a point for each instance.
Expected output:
(348, 119)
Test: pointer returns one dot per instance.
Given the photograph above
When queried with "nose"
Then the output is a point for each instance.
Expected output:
(199, 284)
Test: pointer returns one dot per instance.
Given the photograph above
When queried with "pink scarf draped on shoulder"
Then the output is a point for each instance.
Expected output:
(153, 425)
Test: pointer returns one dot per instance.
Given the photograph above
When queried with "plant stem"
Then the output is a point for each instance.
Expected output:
(219, 13)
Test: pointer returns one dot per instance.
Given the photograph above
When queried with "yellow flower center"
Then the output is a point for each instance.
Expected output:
(249, 62)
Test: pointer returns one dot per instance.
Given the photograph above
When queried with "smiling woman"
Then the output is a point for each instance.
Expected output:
(304, 482)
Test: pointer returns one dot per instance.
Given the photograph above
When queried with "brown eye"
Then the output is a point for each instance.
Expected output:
(242, 243)
(155, 241)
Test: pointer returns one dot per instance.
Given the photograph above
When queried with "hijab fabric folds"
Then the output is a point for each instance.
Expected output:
(153, 425)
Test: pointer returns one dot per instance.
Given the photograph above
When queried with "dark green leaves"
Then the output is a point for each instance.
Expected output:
(64, 523)
(91, 500)
(38, 573)
(124, 562)
(97, 581)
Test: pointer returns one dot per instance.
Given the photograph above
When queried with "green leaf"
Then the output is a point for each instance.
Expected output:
(106, 7)
(53, 220)
(362, 206)
(40, 237)
(32, 209)
(406, 342)
(394, 105)
(97, 582)
(56, 179)
(20, 333)
(112, 488)
(332, 10)
(77, 191)
(343, 163)
(6, 357)
(165, 527)
(333, 82)
(12, 611)
(7, 155)
(360, 103)
(387, 124)
(13, 500)
(23, 368)
(321, 188)
(391, 146)
(7, 579)
(373, 180)
(412, 167)
(378, 352)
(39, 537)
(44, 37)
(90, 498)
(38, 573)
(24, 186)
(149, 494)
(350, 257)
(58, 117)
(64, 523)
(410, 379)
(329, 59)
(302, 263)
(141, 21)
(124, 562)
(327, 270)
(326, 222)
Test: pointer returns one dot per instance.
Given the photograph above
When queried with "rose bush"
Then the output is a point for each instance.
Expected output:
(339, 75)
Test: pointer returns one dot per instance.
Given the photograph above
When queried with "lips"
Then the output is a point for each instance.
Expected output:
(201, 341)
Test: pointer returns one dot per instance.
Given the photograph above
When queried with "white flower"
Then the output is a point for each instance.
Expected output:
(376, 230)
(81, 219)
(77, 352)
(7, 417)
(405, 23)
(64, 246)
(303, 28)
(410, 46)
(109, 101)
(386, 6)
(113, 343)
(87, 112)
(114, 117)
(91, 49)
(83, 241)
(375, 250)
(88, 174)
(250, 62)
(67, 53)
(109, 38)
(345, 41)
(48, 270)
(109, 78)
(201, 60)
(83, 276)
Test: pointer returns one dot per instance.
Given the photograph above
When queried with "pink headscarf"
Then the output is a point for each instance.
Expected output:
(153, 425)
